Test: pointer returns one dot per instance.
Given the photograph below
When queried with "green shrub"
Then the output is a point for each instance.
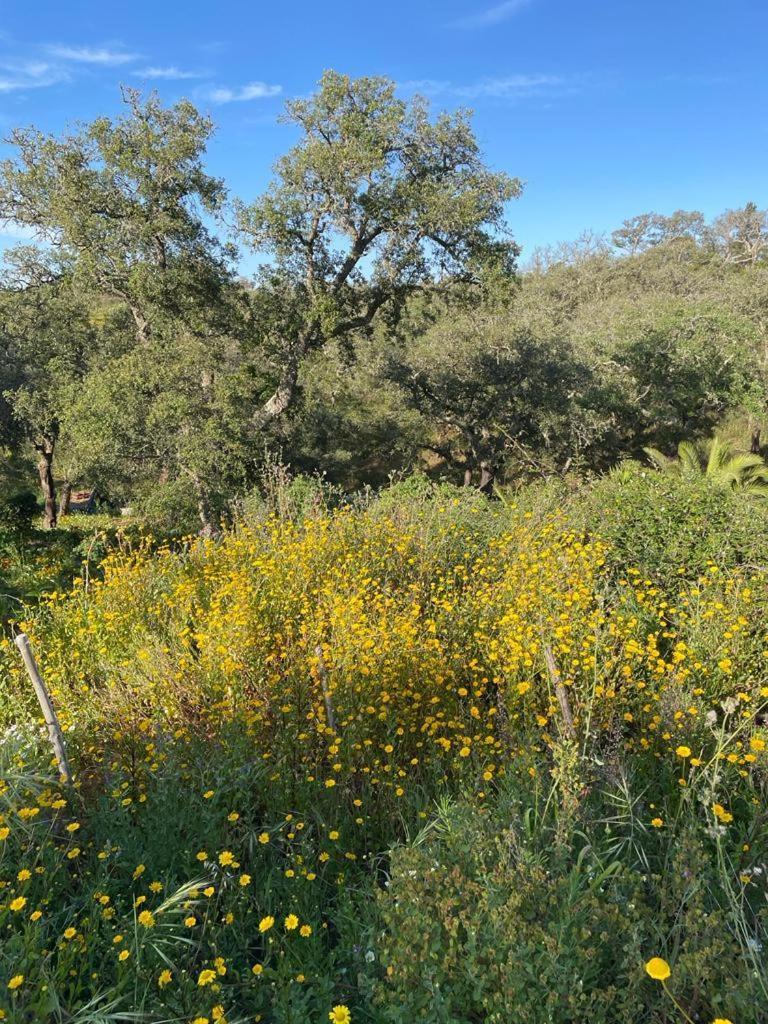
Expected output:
(293, 498)
(169, 509)
(17, 512)
(491, 921)
(671, 527)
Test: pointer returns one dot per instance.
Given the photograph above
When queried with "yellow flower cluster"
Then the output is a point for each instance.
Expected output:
(364, 658)
(346, 639)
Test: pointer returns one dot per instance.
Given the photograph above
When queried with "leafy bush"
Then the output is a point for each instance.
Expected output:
(489, 919)
(17, 512)
(671, 527)
(289, 497)
(169, 509)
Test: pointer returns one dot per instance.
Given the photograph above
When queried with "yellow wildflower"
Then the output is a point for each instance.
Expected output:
(658, 968)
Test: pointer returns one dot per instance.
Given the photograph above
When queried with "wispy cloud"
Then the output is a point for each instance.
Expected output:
(90, 55)
(504, 87)
(171, 74)
(491, 15)
(511, 86)
(253, 91)
(16, 77)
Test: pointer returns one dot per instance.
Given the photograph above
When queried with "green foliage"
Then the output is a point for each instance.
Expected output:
(175, 369)
(168, 510)
(119, 202)
(34, 562)
(375, 201)
(17, 512)
(132, 375)
(289, 497)
(388, 328)
(488, 919)
(716, 464)
(672, 526)
(530, 873)
(491, 389)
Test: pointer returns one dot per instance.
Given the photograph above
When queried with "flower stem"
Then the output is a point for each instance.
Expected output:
(676, 1004)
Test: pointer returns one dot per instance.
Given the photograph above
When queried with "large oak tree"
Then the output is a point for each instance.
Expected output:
(374, 201)
(121, 209)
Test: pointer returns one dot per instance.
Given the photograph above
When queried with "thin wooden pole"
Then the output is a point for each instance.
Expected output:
(322, 671)
(560, 691)
(54, 729)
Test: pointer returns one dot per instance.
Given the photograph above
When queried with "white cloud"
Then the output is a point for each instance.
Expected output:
(88, 55)
(491, 15)
(505, 87)
(425, 86)
(253, 91)
(15, 77)
(169, 73)
(510, 86)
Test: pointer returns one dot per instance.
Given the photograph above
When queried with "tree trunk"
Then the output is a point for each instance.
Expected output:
(754, 445)
(45, 471)
(208, 527)
(279, 401)
(487, 477)
(65, 498)
(285, 392)
(142, 325)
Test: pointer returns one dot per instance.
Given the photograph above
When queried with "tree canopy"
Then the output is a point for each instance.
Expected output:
(375, 201)
(389, 325)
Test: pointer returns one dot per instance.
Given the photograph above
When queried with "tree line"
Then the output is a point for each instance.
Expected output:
(390, 324)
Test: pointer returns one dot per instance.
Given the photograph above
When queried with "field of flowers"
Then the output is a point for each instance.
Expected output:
(441, 759)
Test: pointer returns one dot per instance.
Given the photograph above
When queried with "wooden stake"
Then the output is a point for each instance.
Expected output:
(560, 691)
(54, 729)
(322, 672)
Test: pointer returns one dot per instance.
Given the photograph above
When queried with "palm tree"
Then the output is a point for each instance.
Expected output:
(715, 462)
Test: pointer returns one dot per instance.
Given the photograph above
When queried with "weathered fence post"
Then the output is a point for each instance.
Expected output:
(560, 692)
(54, 729)
(322, 672)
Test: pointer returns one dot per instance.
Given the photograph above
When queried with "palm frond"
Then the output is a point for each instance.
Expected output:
(718, 455)
(715, 462)
(661, 461)
(689, 459)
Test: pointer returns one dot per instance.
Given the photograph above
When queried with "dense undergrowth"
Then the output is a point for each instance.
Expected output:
(324, 767)
(35, 562)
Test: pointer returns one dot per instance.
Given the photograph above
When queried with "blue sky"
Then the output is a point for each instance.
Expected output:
(605, 108)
